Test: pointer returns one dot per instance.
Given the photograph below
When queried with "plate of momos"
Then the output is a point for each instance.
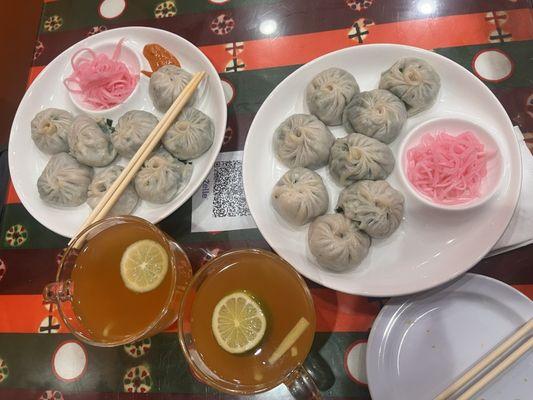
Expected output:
(63, 158)
(322, 180)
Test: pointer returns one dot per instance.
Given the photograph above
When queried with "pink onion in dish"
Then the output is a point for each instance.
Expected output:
(448, 169)
(101, 81)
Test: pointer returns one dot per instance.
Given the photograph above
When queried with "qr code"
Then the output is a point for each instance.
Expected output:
(228, 190)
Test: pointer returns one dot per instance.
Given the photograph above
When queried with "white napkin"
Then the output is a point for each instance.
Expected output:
(519, 232)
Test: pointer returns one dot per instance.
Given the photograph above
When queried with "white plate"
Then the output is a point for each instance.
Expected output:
(418, 346)
(26, 161)
(431, 246)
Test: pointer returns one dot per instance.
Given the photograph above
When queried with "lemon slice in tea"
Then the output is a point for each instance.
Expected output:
(144, 265)
(238, 323)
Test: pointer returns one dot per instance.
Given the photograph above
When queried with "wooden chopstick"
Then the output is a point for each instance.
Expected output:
(496, 371)
(487, 360)
(149, 145)
(119, 185)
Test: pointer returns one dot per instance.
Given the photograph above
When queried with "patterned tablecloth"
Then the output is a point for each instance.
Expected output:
(253, 44)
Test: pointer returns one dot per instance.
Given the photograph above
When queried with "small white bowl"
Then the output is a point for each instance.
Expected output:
(129, 57)
(455, 126)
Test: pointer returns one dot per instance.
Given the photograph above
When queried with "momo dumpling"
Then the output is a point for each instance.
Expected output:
(89, 144)
(336, 242)
(414, 81)
(378, 114)
(161, 177)
(300, 196)
(132, 130)
(303, 140)
(190, 136)
(166, 85)
(328, 93)
(375, 207)
(49, 129)
(101, 183)
(356, 157)
(64, 181)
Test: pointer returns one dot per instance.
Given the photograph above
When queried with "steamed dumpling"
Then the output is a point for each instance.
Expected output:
(166, 85)
(101, 183)
(356, 157)
(414, 81)
(132, 130)
(161, 177)
(329, 92)
(300, 196)
(49, 129)
(377, 113)
(303, 141)
(375, 207)
(89, 144)
(190, 136)
(64, 181)
(336, 242)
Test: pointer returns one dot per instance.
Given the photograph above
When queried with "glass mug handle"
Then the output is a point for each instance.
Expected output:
(301, 385)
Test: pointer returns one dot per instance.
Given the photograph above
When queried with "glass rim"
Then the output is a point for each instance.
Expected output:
(172, 259)
(195, 283)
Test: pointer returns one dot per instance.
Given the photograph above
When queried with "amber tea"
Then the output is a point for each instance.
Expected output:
(263, 296)
(109, 307)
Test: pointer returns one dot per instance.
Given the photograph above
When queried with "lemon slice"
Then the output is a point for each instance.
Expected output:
(144, 265)
(238, 323)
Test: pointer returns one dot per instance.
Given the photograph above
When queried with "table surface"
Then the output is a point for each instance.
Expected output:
(39, 359)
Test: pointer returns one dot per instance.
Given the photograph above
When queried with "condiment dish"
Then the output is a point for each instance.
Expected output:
(454, 126)
(129, 57)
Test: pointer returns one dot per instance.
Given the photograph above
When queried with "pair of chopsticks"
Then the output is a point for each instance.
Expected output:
(117, 188)
(492, 356)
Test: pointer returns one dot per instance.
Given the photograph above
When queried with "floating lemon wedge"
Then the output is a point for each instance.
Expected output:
(238, 323)
(144, 265)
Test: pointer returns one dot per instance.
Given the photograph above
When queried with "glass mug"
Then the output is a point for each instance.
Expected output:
(91, 297)
(285, 299)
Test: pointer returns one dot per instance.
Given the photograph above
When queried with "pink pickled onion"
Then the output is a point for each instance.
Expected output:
(103, 82)
(448, 169)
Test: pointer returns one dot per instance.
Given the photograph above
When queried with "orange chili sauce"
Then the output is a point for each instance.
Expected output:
(158, 56)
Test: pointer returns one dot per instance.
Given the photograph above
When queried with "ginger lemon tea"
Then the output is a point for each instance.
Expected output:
(247, 321)
(126, 282)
